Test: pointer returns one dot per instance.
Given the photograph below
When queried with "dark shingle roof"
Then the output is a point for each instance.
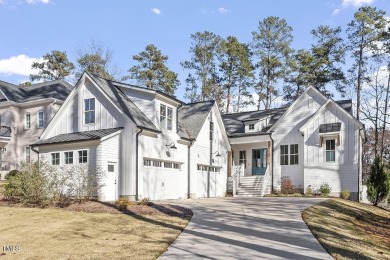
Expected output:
(346, 104)
(327, 128)
(58, 89)
(124, 103)
(234, 123)
(78, 136)
(192, 117)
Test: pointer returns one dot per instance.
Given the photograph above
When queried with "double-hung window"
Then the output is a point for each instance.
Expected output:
(68, 157)
(330, 150)
(27, 121)
(284, 155)
(40, 119)
(55, 159)
(166, 117)
(89, 111)
(83, 156)
(242, 159)
(294, 154)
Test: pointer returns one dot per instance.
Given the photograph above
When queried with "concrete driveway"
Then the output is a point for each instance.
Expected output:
(246, 228)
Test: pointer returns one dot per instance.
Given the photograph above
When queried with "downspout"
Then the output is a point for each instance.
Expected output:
(359, 162)
(136, 163)
(272, 163)
(189, 168)
(211, 155)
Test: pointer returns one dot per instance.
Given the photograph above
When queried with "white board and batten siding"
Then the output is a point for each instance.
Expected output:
(341, 174)
(200, 155)
(286, 132)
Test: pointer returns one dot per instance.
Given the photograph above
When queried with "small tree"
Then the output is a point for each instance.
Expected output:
(286, 185)
(378, 183)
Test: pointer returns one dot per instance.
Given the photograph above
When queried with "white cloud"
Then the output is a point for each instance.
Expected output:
(19, 65)
(156, 11)
(222, 10)
(351, 3)
(37, 1)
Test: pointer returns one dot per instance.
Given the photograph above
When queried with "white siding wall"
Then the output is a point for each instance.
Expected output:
(200, 154)
(343, 173)
(286, 133)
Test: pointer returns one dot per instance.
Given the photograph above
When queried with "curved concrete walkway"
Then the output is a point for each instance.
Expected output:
(246, 228)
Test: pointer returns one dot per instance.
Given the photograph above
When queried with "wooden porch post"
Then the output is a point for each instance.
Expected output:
(269, 152)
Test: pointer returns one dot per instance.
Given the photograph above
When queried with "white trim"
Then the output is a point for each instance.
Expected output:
(4, 95)
(294, 103)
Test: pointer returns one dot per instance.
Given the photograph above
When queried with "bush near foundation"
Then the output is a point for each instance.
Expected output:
(325, 189)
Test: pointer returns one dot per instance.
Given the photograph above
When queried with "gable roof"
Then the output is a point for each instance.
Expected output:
(78, 136)
(192, 117)
(124, 103)
(57, 89)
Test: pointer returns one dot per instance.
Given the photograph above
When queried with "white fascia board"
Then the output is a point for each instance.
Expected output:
(250, 139)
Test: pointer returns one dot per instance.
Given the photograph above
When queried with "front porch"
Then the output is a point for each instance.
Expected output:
(250, 165)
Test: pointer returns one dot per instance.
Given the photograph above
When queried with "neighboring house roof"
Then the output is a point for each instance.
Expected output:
(78, 136)
(124, 103)
(332, 127)
(234, 123)
(57, 89)
(192, 117)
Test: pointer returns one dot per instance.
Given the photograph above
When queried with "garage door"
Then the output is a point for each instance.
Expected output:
(205, 183)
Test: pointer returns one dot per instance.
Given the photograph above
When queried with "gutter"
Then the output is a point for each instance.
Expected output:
(35, 151)
(136, 163)
(189, 168)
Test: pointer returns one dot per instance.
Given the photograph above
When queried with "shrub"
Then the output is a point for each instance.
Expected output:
(378, 183)
(145, 202)
(325, 189)
(309, 191)
(123, 203)
(11, 174)
(345, 194)
(286, 185)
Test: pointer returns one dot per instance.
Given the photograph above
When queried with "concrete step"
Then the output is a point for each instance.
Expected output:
(248, 195)
(244, 192)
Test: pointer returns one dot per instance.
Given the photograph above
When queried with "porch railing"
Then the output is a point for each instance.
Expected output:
(265, 181)
(238, 174)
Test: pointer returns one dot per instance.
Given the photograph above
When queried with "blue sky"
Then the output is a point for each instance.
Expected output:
(31, 28)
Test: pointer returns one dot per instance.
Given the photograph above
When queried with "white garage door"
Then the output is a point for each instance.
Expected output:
(204, 183)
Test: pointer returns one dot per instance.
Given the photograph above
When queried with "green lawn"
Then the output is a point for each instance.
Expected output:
(350, 230)
(62, 234)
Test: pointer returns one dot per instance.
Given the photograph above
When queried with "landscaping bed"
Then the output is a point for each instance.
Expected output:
(350, 230)
(90, 230)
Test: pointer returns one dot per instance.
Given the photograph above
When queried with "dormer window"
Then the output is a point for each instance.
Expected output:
(251, 126)
(166, 114)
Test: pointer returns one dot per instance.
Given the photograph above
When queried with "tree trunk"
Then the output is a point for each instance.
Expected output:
(385, 116)
(239, 97)
(359, 78)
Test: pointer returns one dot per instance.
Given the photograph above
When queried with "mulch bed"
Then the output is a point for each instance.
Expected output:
(106, 207)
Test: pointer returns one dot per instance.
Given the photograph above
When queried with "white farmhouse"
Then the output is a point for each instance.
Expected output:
(313, 141)
(150, 144)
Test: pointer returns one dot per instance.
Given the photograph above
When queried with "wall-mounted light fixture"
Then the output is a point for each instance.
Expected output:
(217, 154)
(171, 145)
(3, 149)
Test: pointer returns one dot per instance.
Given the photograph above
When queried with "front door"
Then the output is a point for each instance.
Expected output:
(259, 161)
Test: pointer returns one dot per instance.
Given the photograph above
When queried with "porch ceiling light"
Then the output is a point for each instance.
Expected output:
(171, 145)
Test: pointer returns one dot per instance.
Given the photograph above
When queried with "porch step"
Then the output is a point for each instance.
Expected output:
(250, 186)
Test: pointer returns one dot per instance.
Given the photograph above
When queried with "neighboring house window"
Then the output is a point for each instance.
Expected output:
(89, 111)
(68, 157)
(27, 120)
(166, 114)
(55, 158)
(252, 127)
(40, 119)
(294, 154)
(330, 150)
(284, 155)
(242, 159)
(27, 153)
(83, 156)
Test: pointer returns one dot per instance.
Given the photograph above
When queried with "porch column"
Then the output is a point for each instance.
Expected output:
(230, 163)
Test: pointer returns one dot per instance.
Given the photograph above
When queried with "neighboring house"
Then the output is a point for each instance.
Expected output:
(24, 114)
(148, 143)
(313, 141)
